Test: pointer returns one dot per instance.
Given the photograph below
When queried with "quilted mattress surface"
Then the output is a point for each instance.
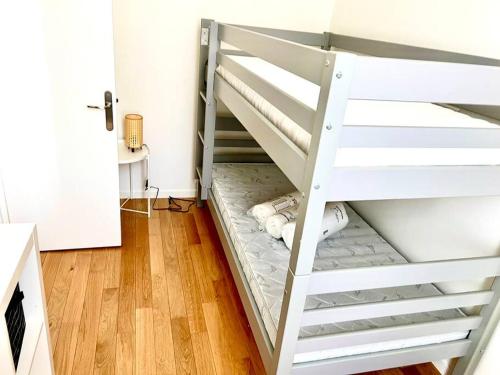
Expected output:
(237, 187)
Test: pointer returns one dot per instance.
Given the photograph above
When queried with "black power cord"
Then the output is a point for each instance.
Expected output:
(173, 204)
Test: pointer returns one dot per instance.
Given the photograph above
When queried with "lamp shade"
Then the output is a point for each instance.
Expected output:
(133, 131)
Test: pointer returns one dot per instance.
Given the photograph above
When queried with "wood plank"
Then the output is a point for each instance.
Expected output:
(172, 272)
(232, 327)
(218, 341)
(57, 299)
(154, 225)
(104, 362)
(112, 274)
(227, 284)
(183, 348)
(426, 369)
(43, 255)
(205, 283)
(145, 342)
(125, 335)
(191, 230)
(164, 345)
(142, 278)
(87, 334)
(231, 289)
(50, 267)
(393, 371)
(209, 242)
(190, 287)
(407, 370)
(68, 336)
(142, 267)
(204, 358)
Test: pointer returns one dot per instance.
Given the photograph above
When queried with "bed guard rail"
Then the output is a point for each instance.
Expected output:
(348, 279)
(343, 280)
(378, 78)
(470, 326)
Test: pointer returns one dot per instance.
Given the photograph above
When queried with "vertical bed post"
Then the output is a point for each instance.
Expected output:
(481, 337)
(210, 112)
(200, 116)
(327, 126)
(327, 41)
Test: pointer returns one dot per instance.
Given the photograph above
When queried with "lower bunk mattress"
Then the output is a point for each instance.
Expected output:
(236, 187)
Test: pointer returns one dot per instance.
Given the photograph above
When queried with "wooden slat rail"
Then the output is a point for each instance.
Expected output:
(349, 279)
(294, 109)
(225, 150)
(232, 134)
(418, 137)
(377, 78)
(302, 37)
(234, 52)
(370, 336)
(304, 61)
(382, 360)
(409, 182)
(284, 152)
(402, 51)
(397, 307)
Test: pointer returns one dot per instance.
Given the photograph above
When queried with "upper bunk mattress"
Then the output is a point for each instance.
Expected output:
(237, 187)
(367, 113)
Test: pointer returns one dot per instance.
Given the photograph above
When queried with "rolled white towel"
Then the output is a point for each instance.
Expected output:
(275, 223)
(334, 219)
(261, 212)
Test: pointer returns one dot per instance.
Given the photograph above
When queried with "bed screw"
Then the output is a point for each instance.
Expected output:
(327, 62)
(316, 187)
(338, 75)
(329, 127)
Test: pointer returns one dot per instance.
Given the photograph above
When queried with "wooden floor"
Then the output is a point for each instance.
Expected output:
(163, 303)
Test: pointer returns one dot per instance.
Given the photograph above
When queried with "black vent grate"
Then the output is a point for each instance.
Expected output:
(16, 323)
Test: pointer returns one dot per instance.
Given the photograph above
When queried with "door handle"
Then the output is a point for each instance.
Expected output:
(107, 105)
(108, 108)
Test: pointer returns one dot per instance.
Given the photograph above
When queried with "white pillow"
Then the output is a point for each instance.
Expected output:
(261, 212)
(334, 219)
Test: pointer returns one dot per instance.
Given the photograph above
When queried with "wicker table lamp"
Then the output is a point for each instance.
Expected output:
(133, 131)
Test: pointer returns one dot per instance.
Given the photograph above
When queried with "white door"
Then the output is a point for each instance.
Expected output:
(60, 162)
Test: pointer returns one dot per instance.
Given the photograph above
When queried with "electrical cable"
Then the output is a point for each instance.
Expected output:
(172, 202)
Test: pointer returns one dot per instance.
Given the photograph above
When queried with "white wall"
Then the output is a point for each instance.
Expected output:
(4, 213)
(437, 228)
(156, 52)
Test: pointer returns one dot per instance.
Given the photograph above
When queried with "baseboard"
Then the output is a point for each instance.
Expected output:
(178, 193)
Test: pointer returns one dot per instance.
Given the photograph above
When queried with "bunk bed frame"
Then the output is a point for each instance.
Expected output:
(425, 75)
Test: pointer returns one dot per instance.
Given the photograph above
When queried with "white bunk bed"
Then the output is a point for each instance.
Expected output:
(344, 126)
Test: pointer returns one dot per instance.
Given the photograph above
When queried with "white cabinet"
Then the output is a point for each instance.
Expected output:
(20, 263)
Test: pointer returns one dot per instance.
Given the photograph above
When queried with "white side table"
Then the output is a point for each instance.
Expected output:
(126, 156)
